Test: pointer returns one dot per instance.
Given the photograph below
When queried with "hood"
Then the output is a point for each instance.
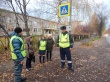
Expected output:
(13, 34)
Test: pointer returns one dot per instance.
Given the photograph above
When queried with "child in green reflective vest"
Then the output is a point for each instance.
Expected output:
(42, 46)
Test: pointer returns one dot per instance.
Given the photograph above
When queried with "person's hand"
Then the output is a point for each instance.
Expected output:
(70, 49)
(27, 56)
(22, 62)
(57, 48)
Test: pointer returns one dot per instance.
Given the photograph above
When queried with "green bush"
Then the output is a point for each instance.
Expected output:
(35, 42)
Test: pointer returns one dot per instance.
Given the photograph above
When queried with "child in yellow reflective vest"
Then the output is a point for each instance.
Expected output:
(42, 46)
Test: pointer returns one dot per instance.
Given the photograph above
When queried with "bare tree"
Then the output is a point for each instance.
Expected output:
(5, 31)
(3, 23)
(10, 3)
(22, 6)
(102, 15)
(80, 10)
(93, 24)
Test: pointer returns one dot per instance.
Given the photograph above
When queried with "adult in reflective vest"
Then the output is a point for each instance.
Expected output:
(42, 46)
(65, 42)
(18, 53)
(22, 49)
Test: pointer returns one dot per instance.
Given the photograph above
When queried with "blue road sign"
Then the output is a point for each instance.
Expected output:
(64, 10)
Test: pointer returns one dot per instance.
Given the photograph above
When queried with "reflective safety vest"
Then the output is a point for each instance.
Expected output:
(23, 51)
(42, 45)
(64, 40)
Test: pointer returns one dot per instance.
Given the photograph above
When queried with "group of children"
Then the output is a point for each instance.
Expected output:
(45, 46)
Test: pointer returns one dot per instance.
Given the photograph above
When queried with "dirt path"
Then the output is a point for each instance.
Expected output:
(91, 64)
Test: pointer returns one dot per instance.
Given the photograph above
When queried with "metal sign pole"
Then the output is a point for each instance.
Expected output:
(70, 13)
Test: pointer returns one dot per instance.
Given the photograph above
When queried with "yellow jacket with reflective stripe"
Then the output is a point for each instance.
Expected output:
(64, 40)
(22, 49)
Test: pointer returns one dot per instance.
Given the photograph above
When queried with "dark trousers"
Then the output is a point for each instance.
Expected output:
(49, 55)
(65, 52)
(28, 61)
(17, 70)
(42, 59)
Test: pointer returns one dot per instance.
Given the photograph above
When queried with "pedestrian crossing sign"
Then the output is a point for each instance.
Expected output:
(64, 10)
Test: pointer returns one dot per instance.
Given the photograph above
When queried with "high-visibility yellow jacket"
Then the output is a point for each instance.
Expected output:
(42, 45)
(17, 48)
(64, 40)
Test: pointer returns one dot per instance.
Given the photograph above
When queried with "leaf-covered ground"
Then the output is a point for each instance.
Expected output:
(91, 64)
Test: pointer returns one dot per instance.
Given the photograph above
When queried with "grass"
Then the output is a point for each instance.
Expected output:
(90, 43)
(96, 38)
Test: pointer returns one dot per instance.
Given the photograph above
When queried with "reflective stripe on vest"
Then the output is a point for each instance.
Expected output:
(42, 45)
(64, 40)
(23, 51)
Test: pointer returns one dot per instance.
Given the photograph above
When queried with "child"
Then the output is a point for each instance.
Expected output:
(42, 45)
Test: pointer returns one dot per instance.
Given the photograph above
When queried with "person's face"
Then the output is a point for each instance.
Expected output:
(20, 33)
(50, 37)
(31, 39)
(63, 31)
(43, 37)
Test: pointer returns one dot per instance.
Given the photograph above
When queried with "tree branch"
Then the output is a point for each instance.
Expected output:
(27, 2)
(20, 18)
(2, 27)
(20, 7)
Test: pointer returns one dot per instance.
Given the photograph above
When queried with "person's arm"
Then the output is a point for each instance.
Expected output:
(38, 44)
(27, 49)
(17, 46)
(71, 41)
(46, 44)
(57, 41)
(53, 42)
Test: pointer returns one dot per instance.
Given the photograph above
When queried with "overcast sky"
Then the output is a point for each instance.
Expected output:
(105, 1)
(33, 3)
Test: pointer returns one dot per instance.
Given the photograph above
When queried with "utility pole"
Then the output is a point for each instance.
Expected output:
(59, 20)
(70, 13)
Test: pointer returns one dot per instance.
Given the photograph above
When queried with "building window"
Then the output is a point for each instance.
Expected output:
(49, 31)
(35, 29)
(8, 19)
(39, 29)
(46, 31)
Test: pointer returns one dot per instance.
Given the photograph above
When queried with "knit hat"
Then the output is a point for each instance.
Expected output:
(18, 30)
(63, 27)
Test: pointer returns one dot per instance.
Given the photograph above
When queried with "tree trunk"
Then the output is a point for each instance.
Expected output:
(17, 23)
(25, 18)
(27, 29)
